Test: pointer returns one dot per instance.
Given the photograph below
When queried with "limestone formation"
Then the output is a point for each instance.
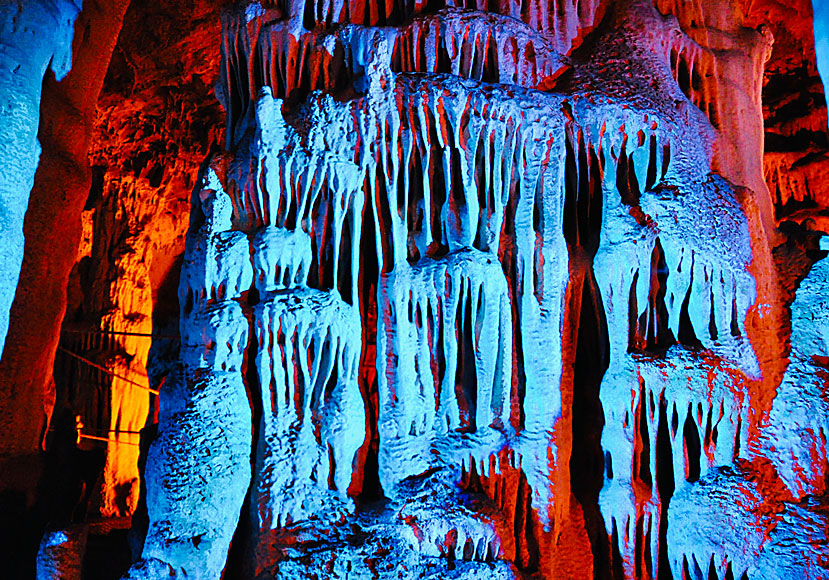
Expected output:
(198, 468)
(409, 191)
(37, 35)
(480, 289)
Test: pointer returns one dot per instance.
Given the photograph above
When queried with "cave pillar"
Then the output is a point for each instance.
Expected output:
(60, 187)
(36, 35)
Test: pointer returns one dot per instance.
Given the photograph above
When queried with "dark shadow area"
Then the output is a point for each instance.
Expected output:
(665, 487)
(587, 459)
(369, 272)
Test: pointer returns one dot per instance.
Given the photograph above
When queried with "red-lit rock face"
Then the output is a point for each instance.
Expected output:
(48, 28)
(494, 290)
(34, 487)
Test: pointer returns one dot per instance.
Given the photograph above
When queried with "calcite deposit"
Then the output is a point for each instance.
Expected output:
(198, 469)
(427, 199)
(37, 35)
(480, 289)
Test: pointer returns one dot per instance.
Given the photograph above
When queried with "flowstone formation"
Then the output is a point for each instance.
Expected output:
(491, 280)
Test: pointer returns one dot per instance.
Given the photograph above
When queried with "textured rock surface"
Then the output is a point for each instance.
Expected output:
(423, 225)
(198, 468)
(61, 553)
(491, 289)
(52, 228)
(37, 35)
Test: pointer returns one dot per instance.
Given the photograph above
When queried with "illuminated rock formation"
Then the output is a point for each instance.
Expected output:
(417, 165)
(473, 290)
(30, 494)
(430, 176)
(122, 295)
(198, 468)
(37, 35)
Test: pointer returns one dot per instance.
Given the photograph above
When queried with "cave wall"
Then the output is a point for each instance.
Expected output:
(49, 27)
(33, 487)
(503, 257)
(38, 36)
(494, 290)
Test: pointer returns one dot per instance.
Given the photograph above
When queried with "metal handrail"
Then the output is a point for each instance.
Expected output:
(106, 370)
(119, 333)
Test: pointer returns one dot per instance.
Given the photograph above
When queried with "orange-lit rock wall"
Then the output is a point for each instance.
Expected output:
(156, 121)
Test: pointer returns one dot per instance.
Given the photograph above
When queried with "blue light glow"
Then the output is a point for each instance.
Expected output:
(821, 9)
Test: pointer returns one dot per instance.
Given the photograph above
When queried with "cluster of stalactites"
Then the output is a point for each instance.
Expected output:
(447, 323)
(265, 51)
(302, 204)
(672, 268)
(564, 21)
(308, 345)
(674, 251)
(456, 171)
(442, 159)
(705, 423)
(676, 293)
(302, 209)
(671, 243)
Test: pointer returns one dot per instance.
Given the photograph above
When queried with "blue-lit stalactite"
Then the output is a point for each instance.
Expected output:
(821, 22)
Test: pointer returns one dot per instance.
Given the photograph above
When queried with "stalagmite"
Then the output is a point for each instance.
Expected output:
(199, 466)
(797, 430)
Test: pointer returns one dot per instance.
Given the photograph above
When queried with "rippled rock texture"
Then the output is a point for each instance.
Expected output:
(482, 289)
(506, 274)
